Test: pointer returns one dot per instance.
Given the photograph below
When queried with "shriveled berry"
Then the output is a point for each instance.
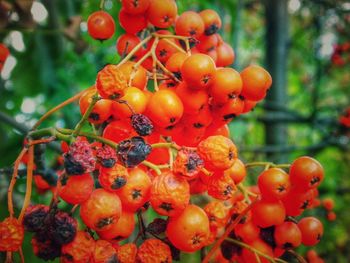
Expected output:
(218, 152)
(34, 217)
(141, 124)
(104, 252)
(154, 250)
(221, 186)
(80, 158)
(45, 249)
(170, 194)
(111, 82)
(80, 249)
(217, 213)
(62, 228)
(106, 156)
(11, 234)
(127, 253)
(133, 151)
(187, 163)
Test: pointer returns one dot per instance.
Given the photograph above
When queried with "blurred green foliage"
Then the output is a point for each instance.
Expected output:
(52, 68)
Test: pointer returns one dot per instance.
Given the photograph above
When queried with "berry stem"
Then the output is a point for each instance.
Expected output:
(152, 166)
(169, 36)
(254, 250)
(102, 4)
(13, 181)
(58, 107)
(29, 182)
(135, 49)
(266, 165)
(86, 115)
(228, 230)
(66, 132)
(174, 45)
(246, 193)
(166, 71)
(20, 252)
(155, 60)
(166, 145)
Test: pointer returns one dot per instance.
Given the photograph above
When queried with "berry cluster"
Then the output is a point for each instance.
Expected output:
(158, 143)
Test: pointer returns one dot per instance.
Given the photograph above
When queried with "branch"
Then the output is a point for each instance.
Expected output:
(22, 128)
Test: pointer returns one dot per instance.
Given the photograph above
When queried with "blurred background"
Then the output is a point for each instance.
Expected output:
(304, 44)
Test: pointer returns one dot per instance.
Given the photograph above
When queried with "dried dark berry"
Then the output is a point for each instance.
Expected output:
(133, 151)
(62, 228)
(141, 124)
(34, 217)
(79, 159)
(46, 250)
(106, 155)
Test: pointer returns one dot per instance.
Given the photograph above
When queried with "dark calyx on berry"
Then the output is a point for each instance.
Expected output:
(194, 162)
(62, 228)
(34, 217)
(107, 156)
(141, 124)
(133, 151)
(212, 29)
(80, 158)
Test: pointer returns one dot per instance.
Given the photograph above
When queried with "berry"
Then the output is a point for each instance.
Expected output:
(101, 210)
(170, 194)
(111, 82)
(311, 230)
(62, 228)
(133, 151)
(218, 152)
(79, 250)
(189, 231)
(153, 250)
(75, 189)
(34, 217)
(187, 163)
(112, 179)
(12, 234)
(45, 249)
(141, 124)
(79, 159)
(104, 252)
(101, 25)
(127, 253)
(106, 156)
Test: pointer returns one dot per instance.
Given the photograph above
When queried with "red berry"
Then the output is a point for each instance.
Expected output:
(101, 25)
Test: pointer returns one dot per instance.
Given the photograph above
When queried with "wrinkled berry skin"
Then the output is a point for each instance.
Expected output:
(141, 124)
(80, 158)
(107, 156)
(62, 228)
(34, 217)
(45, 249)
(133, 151)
